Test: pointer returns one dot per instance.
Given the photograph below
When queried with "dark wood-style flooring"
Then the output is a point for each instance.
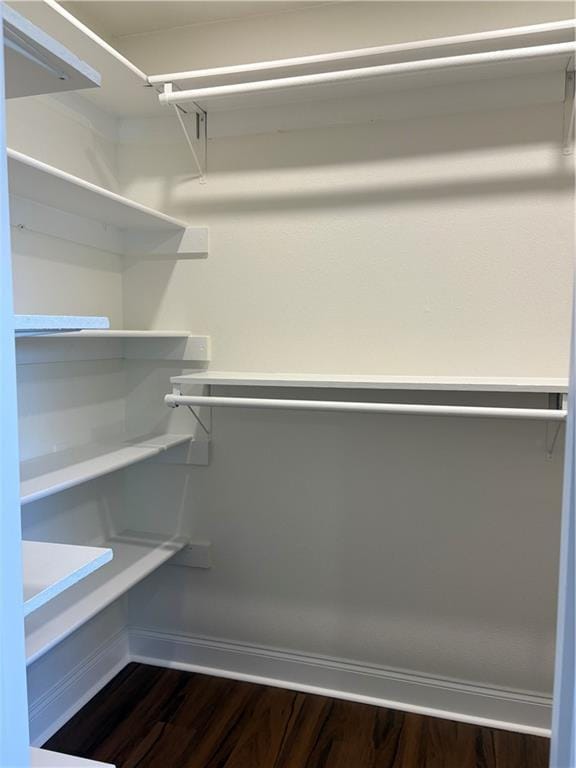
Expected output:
(149, 717)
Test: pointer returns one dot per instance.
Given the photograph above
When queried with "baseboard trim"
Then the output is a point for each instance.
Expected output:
(61, 701)
(518, 711)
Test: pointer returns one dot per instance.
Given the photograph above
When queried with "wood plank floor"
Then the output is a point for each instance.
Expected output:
(149, 717)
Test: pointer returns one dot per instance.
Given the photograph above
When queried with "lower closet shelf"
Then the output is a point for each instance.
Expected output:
(136, 555)
(50, 569)
(57, 472)
(44, 758)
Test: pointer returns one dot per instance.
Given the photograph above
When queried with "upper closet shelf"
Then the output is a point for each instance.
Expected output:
(366, 72)
(49, 569)
(33, 325)
(37, 63)
(124, 90)
(49, 200)
(418, 383)
(39, 346)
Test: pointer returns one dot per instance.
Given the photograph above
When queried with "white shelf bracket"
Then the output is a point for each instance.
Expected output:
(556, 402)
(568, 116)
(197, 137)
(206, 426)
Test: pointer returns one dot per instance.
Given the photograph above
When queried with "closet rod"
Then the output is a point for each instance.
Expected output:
(480, 412)
(447, 62)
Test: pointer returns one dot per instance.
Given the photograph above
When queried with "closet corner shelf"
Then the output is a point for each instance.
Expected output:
(123, 92)
(408, 383)
(136, 555)
(34, 325)
(105, 344)
(115, 223)
(36, 63)
(45, 758)
(49, 569)
(57, 472)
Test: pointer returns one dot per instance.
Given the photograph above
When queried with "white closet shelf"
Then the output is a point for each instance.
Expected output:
(112, 333)
(123, 91)
(417, 383)
(36, 63)
(35, 180)
(94, 344)
(36, 188)
(49, 569)
(136, 555)
(57, 472)
(44, 324)
(45, 758)
(486, 55)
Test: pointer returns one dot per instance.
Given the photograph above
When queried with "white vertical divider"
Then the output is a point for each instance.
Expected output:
(563, 751)
(14, 741)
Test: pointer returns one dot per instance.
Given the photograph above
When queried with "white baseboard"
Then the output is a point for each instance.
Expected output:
(519, 711)
(61, 701)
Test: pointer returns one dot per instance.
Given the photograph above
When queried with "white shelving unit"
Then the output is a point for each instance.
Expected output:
(57, 472)
(136, 555)
(555, 412)
(129, 227)
(493, 55)
(44, 758)
(49, 569)
(416, 383)
(36, 63)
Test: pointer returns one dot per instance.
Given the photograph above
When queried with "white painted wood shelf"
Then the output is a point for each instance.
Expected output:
(45, 758)
(124, 90)
(54, 324)
(373, 71)
(91, 214)
(136, 555)
(416, 383)
(113, 333)
(36, 63)
(57, 472)
(50, 569)
(105, 344)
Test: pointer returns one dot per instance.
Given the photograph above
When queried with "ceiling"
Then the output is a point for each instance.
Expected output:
(115, 18)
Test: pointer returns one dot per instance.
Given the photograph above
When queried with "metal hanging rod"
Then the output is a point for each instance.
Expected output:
(478, 412)
(349, 75)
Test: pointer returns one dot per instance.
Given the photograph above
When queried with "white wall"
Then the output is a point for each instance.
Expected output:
(424, 245)
(326, 27)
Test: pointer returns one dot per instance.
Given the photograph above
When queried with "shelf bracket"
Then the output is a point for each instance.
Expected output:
(206, 427)
(556, 402)
(568, 116)
(197, 137)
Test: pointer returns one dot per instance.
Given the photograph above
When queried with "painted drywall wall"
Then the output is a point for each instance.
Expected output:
(68, 132)
(434, 244)
(326, 27)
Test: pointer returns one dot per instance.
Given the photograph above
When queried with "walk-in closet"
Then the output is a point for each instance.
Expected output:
(288, 474)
